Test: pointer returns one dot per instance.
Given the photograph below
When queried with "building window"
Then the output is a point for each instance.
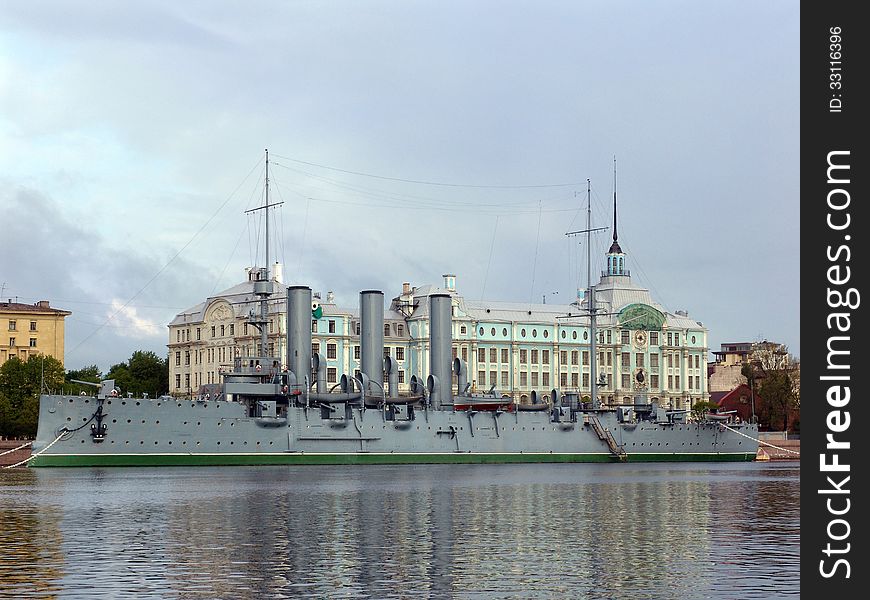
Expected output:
(223, 331)
(586, 358)
(315, 348)
(481, 377)
(676, 339)
(178, 359)
(670, 339)
(625, 339)
(481, 331)
(585, 380)
(638, 359)
(654, 381)
(13, 325)
(563, 380)
(213, 329)
(653, 361)
(331, 351)
(386, 352)
(654, 338)
(187, 381)
(401, 376)
(401, 331)
(331, 326)
(534, 379)
(493, 355)
(626, 360)
(523, 332)
(33, 342)
(534, 333)
(563, 357)
(504, 356)
(331, 374)
(677, 360)
(545, 379)
(504, 379)
(198, 334)
(676, 382)
(462, 330)
(177, 381)
(574, 379)
(670, 362)
(609, 360)
(314, 327)
(465, 353)
(535, 357)
(178, 335)
(232, 330)
(492, 377)
(33, 326)
(524, 357)
(481, 357)
(245, 328)
(356, 353)
(697, 361)
(504, 331)
(625, 381)
(492, 332)
(545, 357)
(670, 382)
(575, 357)
(271, 326)
(357, 328)
(524, 379)
(187, 358)
(386, 329)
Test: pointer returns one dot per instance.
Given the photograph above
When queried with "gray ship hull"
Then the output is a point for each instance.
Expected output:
(166, 431)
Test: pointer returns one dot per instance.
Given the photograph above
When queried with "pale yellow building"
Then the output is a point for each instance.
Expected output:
(31, 329)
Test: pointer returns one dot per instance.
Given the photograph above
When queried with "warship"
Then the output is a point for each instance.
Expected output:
(280, 410)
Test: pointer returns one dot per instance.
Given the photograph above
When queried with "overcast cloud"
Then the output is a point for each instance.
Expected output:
(126, 128)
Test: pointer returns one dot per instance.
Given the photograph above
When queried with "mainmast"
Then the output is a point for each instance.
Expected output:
(263, 283)
(590, 295)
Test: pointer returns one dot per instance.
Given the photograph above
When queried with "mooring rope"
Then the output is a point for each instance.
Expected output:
(15, 449)
(32, 456)
(759, 441)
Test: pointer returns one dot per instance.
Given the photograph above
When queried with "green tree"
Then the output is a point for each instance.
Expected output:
(774, 376)
(143, 373)
(21, 382)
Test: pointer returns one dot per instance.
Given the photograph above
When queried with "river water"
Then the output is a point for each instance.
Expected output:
(426, 531)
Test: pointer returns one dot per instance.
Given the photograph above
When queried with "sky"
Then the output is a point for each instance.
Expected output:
(406, 140)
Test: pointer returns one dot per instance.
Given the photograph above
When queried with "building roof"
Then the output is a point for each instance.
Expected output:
(41, 307)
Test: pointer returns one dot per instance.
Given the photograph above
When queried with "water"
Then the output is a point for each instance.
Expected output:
(436, 531)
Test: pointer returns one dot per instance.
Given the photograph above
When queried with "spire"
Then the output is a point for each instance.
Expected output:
(614, 247)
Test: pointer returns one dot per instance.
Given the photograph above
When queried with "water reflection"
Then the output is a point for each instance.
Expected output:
(524, 531)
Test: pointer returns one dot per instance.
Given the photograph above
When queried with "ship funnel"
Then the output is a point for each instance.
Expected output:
(460, 369)
(299, 331)
(441, 348)
(371, 337)
(391, 368)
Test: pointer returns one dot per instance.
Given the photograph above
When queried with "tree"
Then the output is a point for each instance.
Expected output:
(774, 376)
(143, 373)
(21, 382)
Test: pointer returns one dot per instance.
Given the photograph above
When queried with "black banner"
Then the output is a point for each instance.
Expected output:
(834, 226)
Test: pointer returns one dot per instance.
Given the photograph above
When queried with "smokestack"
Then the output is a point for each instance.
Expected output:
(441, 348)
(371, 337)
(299, 332)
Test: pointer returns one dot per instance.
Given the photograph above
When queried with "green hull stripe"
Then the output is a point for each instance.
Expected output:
(184, 460)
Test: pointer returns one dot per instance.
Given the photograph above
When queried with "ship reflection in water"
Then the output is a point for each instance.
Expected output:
(524, 531)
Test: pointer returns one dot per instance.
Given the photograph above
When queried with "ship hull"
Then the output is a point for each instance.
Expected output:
(187, 433)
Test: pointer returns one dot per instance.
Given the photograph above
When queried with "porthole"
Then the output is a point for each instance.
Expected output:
(157, 422)
(492, 331)
(129, 421)
(127, 442)
(70, 400)
(523, 332)
(155, 443)
(573, 335)
(158, 404)
(534, 333)
(546, 333)
(481, 331)
(504, 331)
(218, 443)
(70, 419)
(114, 420)
(693, 339)
(138, 403)
(564, 335)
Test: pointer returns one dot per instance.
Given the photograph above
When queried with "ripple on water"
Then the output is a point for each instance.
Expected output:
(464, 531)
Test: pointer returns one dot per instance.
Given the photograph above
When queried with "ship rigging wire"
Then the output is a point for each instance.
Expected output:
(424, 182)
